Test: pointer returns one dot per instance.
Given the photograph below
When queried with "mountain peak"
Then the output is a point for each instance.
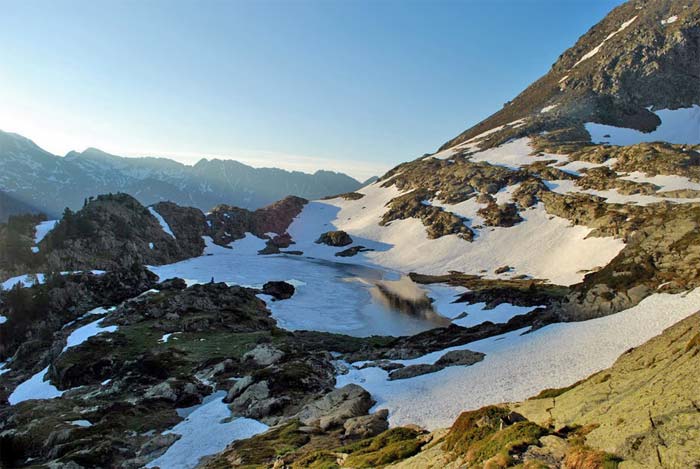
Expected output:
(643, 56)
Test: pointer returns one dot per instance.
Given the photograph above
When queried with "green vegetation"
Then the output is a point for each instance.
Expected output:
(16, 241)
(390, 446)
(483, 434)
(317, 460)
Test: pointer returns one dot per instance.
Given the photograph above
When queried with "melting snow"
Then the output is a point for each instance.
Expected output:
(681, 126)
(80, 423)
(24, 280)
(548, 108)
(207, 429)
(612, 196)
(519, 366)
(513, 155)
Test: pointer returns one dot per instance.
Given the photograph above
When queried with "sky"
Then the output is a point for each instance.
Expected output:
(356, 86)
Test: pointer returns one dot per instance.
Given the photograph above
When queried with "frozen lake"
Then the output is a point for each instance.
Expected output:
(330, 296)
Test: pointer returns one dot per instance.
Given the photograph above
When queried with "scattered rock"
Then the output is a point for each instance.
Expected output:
(460, 357)
(349, 252)
(502, 270)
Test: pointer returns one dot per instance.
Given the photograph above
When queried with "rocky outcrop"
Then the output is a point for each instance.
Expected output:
(16, 242)
(228, 223)
(115, 230)
(278, 290)
(336, 407)
(188, 224)
(33, 315)
(353, 251)
(452, 358)
(437, 221)
(643, 408)
(505, 215)
(337, 238)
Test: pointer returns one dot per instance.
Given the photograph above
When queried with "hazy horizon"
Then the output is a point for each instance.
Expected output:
(356, 87)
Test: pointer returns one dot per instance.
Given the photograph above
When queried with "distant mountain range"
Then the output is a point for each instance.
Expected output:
(32, 179)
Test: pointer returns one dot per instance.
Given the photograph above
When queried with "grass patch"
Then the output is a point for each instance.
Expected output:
(480, 435)
(202, 346)
(317, 460)
(390, 446)
(551, 393)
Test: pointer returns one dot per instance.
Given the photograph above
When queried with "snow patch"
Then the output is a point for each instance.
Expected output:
(206, 430)
(42, 229)
(670, 20)
(163, 224)
(518, 366)
(36, 387)
(681, 126)
(83, 333)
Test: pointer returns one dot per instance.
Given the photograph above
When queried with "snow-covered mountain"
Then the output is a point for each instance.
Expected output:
(49, 183)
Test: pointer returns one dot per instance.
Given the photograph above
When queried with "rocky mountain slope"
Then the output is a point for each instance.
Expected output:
(49, 183)
(642, 57)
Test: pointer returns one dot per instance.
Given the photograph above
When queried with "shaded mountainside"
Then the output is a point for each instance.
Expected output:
(49, 183)
(10, 206)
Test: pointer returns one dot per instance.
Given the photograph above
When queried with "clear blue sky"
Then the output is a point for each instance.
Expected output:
(357, 86)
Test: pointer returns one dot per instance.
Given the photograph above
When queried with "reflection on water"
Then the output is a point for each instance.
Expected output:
(393, 297)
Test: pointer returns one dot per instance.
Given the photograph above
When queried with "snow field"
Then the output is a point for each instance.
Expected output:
(519, 365)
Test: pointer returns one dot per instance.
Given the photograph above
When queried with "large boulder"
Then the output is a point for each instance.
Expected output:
(336, 407)
(279, 290)
(337, 238)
